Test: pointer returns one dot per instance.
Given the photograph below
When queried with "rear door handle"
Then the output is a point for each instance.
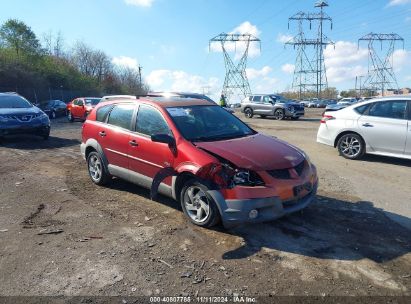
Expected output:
(102, 133)
(133, 143)
(367, 125)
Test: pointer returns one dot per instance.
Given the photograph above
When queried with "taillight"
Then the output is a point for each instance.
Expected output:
(327, 118)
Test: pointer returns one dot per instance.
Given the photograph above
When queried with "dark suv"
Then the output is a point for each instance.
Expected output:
(271, 105)
(19, 116)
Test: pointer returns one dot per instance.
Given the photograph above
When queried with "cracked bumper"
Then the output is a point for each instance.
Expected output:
(236, 212)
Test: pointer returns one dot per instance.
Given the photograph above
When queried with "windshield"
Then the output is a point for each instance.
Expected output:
(279, 98)
(207, 123)
(14, 101)
(92, 101)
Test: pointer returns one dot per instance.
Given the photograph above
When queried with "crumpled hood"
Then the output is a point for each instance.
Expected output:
(257, 152)
(20, 111)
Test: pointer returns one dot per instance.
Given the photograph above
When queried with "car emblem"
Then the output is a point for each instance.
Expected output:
(24, 118)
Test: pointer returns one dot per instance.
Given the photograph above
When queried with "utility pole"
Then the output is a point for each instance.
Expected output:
(310, 73)
(381, 74)
(235, 77)
(140, 68)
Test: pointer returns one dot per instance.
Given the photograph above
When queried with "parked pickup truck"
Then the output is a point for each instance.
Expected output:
(271, 105)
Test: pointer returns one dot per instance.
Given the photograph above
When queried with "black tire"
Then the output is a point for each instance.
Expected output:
(70, 117)
(199, 198)
(263, 116)
(279, 114)
(46, 135)
(99, 178)
(248, 112)
(351, 146)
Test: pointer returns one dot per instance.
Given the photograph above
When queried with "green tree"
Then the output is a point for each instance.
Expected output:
(17, 35)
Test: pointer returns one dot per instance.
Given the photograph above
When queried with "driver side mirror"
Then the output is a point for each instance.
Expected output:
(166, 139)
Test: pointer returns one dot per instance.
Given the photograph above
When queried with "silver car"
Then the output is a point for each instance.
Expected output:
(271, 105)
(378, 126)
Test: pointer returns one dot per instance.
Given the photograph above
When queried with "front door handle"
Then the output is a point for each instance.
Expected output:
(367, 125)
(133, 143)
(102, 133)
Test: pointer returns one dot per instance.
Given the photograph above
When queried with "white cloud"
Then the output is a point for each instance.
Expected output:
(284, 38)
(398, 2)
(266, 85)
(143, 3)
(288, 68)
(181, 81)
(239, 47)
(401, 59)
(254, 73)
(345, 62)
(124, 61)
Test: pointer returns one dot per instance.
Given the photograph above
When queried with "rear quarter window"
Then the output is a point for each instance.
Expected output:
(361, 109)
(102, 112)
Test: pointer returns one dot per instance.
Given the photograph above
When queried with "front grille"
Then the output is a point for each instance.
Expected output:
(285, 173)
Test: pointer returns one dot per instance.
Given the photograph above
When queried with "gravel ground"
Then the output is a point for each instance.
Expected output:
(62, 235)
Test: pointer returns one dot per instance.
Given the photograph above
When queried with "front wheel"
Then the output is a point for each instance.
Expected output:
(248, 113)
(351, 146)
(198, 205)
(96, 169)
(279, 114)
(70, 117)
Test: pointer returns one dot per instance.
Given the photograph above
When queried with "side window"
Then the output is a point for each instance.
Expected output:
(267, 99)
(151, 122)
(361, 109)
(78, 102)
(102, 113)
(389, 109)
(257, 98)
(121, 116)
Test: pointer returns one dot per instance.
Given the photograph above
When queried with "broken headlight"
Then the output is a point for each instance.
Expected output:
(243, 177)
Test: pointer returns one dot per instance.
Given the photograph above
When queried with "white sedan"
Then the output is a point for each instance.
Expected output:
(378, 126)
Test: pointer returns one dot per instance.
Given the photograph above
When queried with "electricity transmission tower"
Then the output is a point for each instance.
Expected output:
(310, 73)
(235, 77)
(381, 74)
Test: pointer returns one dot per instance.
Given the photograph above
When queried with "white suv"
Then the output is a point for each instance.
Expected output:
(378, 126)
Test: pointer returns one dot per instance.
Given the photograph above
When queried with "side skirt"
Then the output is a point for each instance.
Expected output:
(139, 179)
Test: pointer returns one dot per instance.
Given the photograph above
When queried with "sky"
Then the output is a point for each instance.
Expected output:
(170, 38)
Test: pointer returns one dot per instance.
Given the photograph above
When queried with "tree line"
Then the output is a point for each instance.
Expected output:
(38, 67)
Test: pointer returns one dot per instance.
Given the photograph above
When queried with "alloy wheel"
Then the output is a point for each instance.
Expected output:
(196, 204)
(95, 168)
(279, 115)
(350, 146)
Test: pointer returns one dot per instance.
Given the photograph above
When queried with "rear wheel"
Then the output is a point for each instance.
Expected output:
(248, 113)
(198, 205)
(351, 146)
(279, 114)
(96, 169)
(70, 116)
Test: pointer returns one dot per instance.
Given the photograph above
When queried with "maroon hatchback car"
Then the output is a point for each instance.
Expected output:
(194, 151)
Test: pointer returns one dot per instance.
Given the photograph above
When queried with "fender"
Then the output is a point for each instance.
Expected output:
(96, 146)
